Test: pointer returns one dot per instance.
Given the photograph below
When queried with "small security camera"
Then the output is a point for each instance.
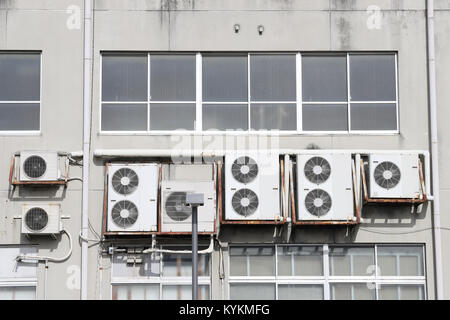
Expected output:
(260, 29)
(237, 27)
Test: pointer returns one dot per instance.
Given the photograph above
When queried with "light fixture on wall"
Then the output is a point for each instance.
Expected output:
(260, 29)
(237, 27)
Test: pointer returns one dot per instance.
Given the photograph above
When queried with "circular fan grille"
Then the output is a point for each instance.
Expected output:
(36, 219)
(318, 202)
(245, 202)
(387, 175)
(124, 214)
(244, 169)
(125, 181)
(176, 207)
(34, 166)
(317, 170)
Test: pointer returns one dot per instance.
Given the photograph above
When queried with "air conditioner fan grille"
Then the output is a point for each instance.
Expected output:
(387, 175)
(318, 202)
(176, 208)
(34, 167)
(245, 202)
(124, 214)
(36, 219)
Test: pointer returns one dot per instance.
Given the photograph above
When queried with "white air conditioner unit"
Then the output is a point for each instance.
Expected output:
(324, 187)
(176, 216)
(39, 166)
(132, 197)
(252, 186)
(41, 219)
(394, 176)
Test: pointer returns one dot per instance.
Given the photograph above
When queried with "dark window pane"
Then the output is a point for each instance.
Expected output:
(124, 117)
(225, 78)
(372, 77)
(256, 291)
(124, 78)
(324, 78)
(273, 116)
(172, 77)
(19, 116)
(225, 116)
(272, 78)
(373, 116)
(325, 117)
(175, 116)
(20, 76)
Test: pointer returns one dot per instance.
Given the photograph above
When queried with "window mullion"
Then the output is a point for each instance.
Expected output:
(349, 129)
(299, 103)
(248, 92)
(148, 92)
(198, 86)
(326, 272)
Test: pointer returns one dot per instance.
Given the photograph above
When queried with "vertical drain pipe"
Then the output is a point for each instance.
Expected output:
(434, 151)
(87, 60)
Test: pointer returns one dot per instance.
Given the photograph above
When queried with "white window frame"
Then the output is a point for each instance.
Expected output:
(20, 282)
(326, 279)
(26, 132)
(198, 102)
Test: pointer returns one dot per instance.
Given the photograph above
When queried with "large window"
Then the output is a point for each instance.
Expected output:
(159, 277)
(327, 272)
(285, 92)
(20, 92)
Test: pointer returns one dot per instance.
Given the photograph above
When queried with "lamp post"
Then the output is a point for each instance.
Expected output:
(194, 200)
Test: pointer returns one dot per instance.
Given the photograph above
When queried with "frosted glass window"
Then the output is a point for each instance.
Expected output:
(253, 291)
(325, 117)
(272, 77)
(401, 292)
(373, 116)
(172, 77)
(167, 116)
(135, 292)
(400, 261)
(372, 77)
(124, 77)
(356, 291)
(273, 116)
(225, 116)
(184, 292)
(225, 78)
(252, 261)
(300, 292)
(178, 265)
(18, 293)
(124, 117)
(300, 261)
(20, 75)
(324, 78)
(345, 261)
(19, 116)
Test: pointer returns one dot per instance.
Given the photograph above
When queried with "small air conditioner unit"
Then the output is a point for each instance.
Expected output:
(252, 186)
(132, 197)
(39, 166)
(324, 187)
(176, 216)
(43, 219)
(394, 176)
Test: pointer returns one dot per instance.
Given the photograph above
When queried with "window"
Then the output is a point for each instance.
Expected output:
(163, 277)
(20, 91)
(250, 92)
(327, 272)
(18, 280)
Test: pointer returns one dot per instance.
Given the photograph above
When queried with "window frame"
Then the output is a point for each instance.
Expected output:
(327, 280)
(198, 130)
(26, 132)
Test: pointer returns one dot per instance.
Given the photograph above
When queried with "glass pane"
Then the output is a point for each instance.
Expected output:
(401, 292)
(180, 265)
(172, 77)
(273, 116)
(351, 261)
(135, 292)
(184, 292)
(300, 292)
(164, 116)
(356, 291)
(253, 291)
(17, 293)
(272, 77)
(400, 261)
(252, 261)
(19, 116)
(324, 78)
(225, 78)
(225, 116)
(20, 76)
(372, 77)
(373, 116)
(300, 261)
(148, 268)
(124, 77)
(124, 117)
(325, 117)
